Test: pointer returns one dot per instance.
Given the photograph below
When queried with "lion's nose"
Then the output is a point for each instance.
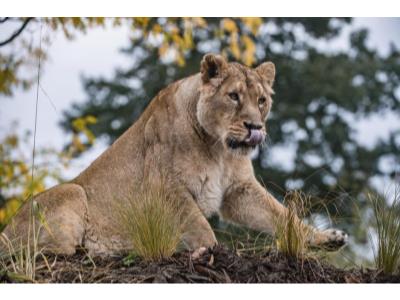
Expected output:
(256, 135)
(251, 125)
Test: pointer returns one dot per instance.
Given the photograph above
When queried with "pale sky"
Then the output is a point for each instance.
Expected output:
(96, 54)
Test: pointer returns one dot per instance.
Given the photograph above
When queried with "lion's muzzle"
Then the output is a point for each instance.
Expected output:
(255, 137)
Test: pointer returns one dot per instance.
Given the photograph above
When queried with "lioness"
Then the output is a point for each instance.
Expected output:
(200, 132)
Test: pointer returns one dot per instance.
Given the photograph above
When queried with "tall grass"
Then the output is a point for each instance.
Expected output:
(387, 226)
(153, 221)
(291, 235)
(19, 260)
(19, 256)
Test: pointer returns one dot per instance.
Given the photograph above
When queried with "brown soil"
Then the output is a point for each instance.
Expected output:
(218, 265)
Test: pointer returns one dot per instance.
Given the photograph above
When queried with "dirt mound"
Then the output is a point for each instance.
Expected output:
(218, 265)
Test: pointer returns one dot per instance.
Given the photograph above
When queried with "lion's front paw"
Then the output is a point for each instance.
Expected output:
(331, 239)
(196, 254)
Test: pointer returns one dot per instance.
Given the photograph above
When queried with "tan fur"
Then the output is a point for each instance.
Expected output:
(182, 134)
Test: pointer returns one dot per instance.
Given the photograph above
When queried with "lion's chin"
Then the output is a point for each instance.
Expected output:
(239, 147)
(241, 151)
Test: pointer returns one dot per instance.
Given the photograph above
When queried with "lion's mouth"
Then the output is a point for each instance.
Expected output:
(254, 138)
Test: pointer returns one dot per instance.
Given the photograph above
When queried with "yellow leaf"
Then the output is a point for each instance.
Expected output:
(12, 206)
(188, 38)
(78, 124)
(90, 136)
(177, 39)
(2, 216)
(91, 119)
(248, 57)
(234, 46)
(142, 21)
(39, 188)
(157, 28)
(76, 142)
(22, 167)
(253, 24)
(12, 140)
(199, 22)
(9, 171)
(180, 60)
(229, 25)
(163, 49)
(100, 20)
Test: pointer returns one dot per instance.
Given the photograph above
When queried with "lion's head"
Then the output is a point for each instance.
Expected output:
(234, 102)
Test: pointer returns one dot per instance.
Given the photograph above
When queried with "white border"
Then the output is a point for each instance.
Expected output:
(210, 8)
(200, 291)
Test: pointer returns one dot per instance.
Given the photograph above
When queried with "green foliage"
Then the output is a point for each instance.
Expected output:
(387, 227)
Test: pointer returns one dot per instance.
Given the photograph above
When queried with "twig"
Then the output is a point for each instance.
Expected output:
(16, 33)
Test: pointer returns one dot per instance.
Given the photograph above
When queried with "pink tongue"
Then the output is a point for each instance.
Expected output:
(255, 138)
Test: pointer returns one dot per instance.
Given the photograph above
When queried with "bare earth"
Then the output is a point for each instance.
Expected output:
(219, 265)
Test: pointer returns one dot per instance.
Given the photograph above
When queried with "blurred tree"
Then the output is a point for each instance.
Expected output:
(20, 49)
(319, 94)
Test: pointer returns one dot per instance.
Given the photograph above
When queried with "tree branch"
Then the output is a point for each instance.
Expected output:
(16, 33)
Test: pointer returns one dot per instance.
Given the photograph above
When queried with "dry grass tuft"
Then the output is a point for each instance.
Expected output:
(19, 260)
(387, 226)
(291, 236)
(19, 256)
(153, 221)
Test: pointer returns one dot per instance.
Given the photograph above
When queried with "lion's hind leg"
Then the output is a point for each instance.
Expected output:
(60, 220)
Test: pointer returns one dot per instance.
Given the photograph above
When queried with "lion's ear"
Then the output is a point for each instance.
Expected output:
(213, 66)
(267, 72)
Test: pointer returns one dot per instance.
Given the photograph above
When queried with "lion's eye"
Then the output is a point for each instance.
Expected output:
(234, 96)
(261, 100)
